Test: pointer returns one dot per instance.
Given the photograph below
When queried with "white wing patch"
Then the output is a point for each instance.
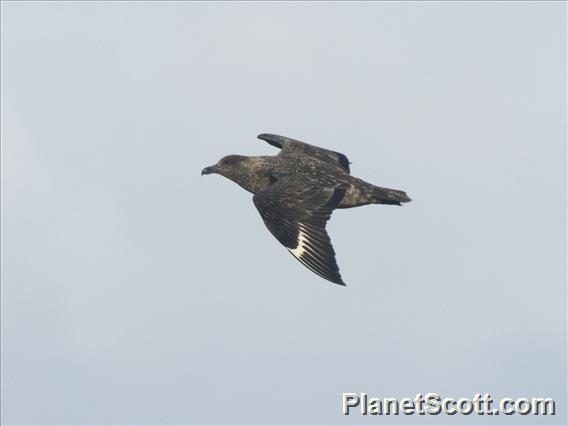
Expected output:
(302, 240)
(314, 257)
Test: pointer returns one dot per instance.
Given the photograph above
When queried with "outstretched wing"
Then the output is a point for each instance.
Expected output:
(296, 214)
(292, 146)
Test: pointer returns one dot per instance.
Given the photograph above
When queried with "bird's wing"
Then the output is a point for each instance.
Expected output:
(296, 214)
(292, 146)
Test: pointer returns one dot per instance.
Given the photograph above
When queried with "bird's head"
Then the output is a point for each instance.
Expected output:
(229, 166)
(245, 171)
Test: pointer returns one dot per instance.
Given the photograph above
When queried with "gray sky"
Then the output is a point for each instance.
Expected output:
(136, 291)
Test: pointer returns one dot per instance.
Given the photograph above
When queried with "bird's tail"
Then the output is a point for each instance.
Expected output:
(389, 196)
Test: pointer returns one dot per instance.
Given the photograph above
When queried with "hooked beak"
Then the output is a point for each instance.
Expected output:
(208, 170)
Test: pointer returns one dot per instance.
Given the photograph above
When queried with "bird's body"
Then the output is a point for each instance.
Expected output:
(295, 193)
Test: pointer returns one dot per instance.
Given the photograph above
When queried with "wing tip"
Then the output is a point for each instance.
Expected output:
(334, 280)
(272, 139)
(343, 161)
(404, 197)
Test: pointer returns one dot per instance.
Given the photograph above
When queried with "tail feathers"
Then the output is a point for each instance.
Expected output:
(389, 196)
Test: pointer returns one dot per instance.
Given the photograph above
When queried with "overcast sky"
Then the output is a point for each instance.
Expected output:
(135, 291)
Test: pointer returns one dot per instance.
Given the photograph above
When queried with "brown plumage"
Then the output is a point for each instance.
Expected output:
(295, 193)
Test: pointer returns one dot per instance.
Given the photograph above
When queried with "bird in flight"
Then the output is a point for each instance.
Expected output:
(295, 193)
